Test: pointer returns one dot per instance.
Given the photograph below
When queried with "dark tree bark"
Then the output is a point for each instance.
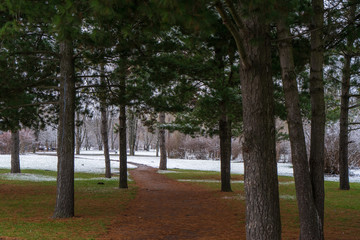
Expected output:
(104, 125)
(316, 159)
(122, 148)
(64, 207)
(310, 224)
(261, 183)
(344, 112)
(15, 152)
(225, 152)
(344, 125)
(251, 34)
(162, 144)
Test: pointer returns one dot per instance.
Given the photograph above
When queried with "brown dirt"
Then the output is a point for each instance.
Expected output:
(167, 209)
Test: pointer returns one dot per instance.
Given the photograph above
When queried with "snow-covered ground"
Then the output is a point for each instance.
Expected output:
(93, 162)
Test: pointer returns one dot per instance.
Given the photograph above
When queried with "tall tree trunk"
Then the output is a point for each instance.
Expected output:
(122, 148)
(104, 126)
(225, 152)
(344, 112)
(344, 125)
(251, 34)
(261, 183)
(308, 215)
(15, 152)
(163, 157)
(316, 159)
(64, 207)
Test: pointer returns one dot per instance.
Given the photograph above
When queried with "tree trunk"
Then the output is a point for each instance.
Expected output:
(64, 207)
(308, 215)
(344, 125)
(344, 112)
(36, 143)
(78, 134)
(316, 159)
(261, 182)
(122, 148)
(132, 132)
(163, 157)
(104, 126)
(15, 152)
(225, 152)
(157, 142)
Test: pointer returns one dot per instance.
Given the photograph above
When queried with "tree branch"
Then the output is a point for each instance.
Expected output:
(234, 32)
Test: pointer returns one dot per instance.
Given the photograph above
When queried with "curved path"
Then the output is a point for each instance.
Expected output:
(167, 209)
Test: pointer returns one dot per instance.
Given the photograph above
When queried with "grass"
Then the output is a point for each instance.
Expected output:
(342, 208)
(27, 207)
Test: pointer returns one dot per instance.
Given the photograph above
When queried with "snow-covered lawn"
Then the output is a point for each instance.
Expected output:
(93, 162)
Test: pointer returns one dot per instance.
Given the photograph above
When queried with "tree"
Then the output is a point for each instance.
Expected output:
(163, 158)
(316, 159)
(310, 225)
(345, 95)
(15, 150)
(248, 23)
(104, 125)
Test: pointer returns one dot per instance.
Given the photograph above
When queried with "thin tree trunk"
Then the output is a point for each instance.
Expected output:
(344, 125)
(122, 148)
(344, 113)
(15, 152)
(157, 142)
(225, 152)
(163, 157)
(316, 159)
(132, 132)
(64, 207)
(104, 127)
(308, 215)
(78, 134)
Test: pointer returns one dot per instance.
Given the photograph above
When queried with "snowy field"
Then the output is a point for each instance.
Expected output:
(93, 162)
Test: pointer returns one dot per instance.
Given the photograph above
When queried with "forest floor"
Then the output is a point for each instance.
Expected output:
(168, 209)
(165, 208)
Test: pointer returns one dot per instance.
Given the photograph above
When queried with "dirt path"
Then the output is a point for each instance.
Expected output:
(167, 209)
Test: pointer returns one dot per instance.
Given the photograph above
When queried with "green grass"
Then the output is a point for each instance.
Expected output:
(27, 207)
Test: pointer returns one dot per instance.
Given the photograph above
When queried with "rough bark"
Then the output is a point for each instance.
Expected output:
(317, 99)
(162, 144)
(308, 215)
(104, 127)
(225, 152)
(64, 207)
(251, 34)
(261, 183)
(344, 112)
(15, 152)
